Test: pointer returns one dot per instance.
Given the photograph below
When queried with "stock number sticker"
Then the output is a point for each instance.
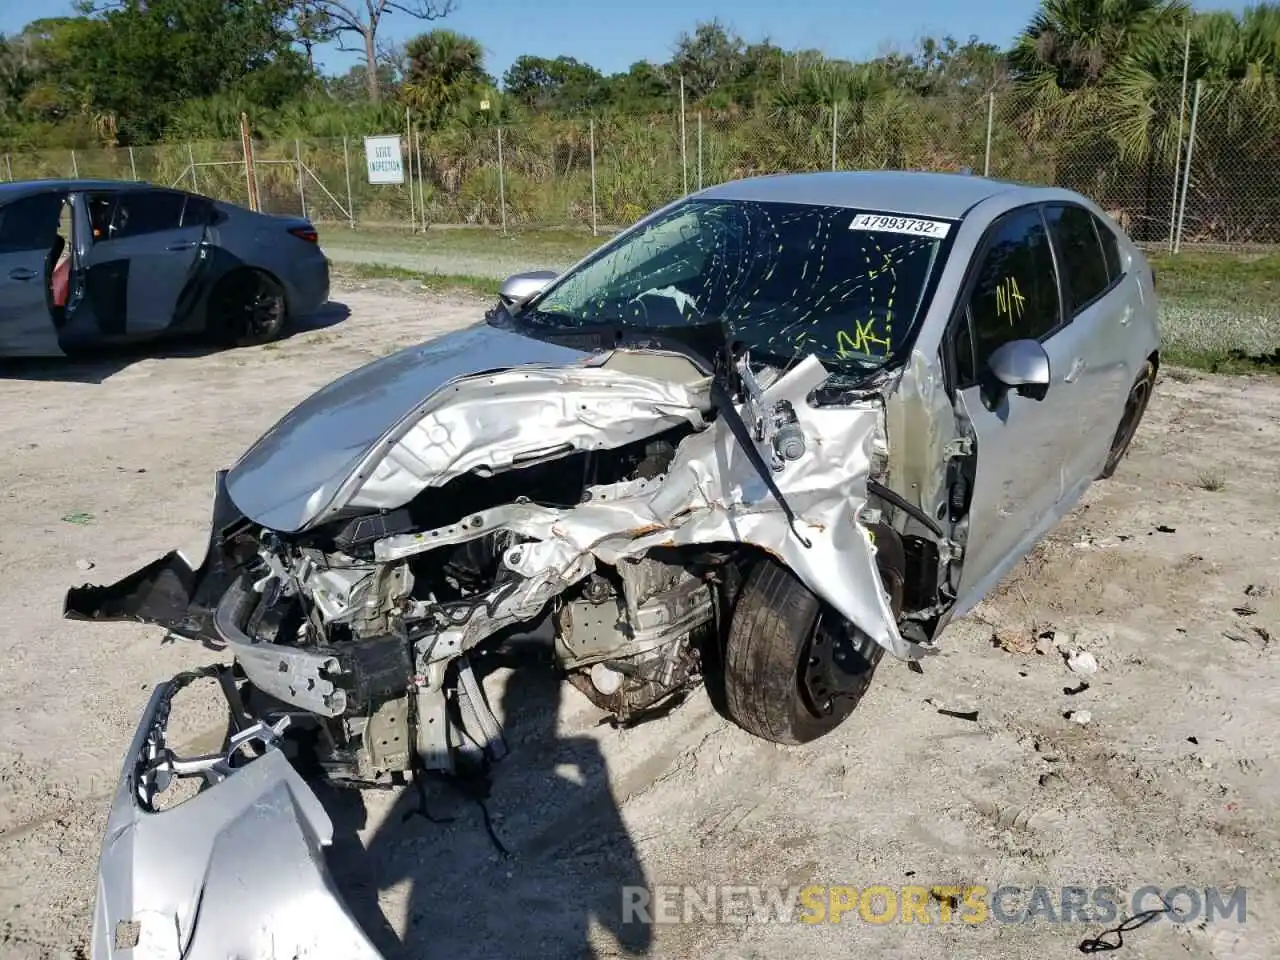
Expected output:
(909, 225)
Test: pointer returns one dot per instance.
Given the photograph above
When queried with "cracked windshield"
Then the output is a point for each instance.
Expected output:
(782, 279)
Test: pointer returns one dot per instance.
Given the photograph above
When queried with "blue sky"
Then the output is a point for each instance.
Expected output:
(613, 34)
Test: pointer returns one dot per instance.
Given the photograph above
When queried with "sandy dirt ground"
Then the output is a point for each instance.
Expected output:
(1169, 575)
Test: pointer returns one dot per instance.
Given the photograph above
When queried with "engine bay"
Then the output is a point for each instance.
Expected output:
(626, 635)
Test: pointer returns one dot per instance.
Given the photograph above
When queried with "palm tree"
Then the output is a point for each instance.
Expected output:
(1075, 43)
(1071, 47)
(444, 66)
(1238, 58)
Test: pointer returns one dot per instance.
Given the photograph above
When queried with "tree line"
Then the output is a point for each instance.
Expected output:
(1098, 87)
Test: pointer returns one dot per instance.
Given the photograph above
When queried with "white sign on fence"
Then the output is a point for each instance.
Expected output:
(383, 157)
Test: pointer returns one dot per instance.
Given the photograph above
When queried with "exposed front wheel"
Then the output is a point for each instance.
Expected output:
(794, 668)
(1134, 408)
(247, 309)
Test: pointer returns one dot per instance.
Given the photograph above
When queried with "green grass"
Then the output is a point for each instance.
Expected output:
(550, 246)
(439, 282)
(1218, 277)
(1220, 312)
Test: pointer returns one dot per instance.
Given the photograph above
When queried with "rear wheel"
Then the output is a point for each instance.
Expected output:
(247, 308)
(1134, 408)
(794, 668)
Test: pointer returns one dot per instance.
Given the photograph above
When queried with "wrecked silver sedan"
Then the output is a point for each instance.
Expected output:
(771, 432)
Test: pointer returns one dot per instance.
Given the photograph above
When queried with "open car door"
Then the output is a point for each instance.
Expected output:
(29, 247)
(142, 251)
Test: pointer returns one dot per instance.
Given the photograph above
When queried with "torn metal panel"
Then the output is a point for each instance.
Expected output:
(710, 494)
(921, 424)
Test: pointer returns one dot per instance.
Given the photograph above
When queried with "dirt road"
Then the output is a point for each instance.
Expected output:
(1169, 575)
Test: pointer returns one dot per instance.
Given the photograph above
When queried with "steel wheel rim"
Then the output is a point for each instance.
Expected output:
(830, 652)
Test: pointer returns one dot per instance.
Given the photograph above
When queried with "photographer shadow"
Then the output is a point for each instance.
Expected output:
(436, 859)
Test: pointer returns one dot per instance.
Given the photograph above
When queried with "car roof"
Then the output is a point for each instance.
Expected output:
(22, 188)
(906, 192)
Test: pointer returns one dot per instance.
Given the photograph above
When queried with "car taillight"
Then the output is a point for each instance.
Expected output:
(305, 233)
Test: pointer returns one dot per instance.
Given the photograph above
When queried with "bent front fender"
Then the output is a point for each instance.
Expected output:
(238, 870)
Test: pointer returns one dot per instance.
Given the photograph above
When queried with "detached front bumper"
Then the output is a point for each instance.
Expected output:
(236, 871)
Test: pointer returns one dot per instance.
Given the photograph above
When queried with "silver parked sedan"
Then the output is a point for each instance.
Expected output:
(773, 431)
(85, 263)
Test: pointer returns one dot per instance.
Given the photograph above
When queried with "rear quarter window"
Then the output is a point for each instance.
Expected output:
(1110, 249)
(1085, 274)
(198, 212)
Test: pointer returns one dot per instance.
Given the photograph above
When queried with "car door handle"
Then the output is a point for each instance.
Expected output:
(22, 273)
(176, 247)
(1077, 368)
(1126, 315)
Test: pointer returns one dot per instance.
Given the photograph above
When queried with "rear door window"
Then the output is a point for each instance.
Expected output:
(1015, 296)
(142, 212)
(1084, 265)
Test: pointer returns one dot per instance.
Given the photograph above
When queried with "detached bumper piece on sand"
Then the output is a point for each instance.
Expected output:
(237, 870)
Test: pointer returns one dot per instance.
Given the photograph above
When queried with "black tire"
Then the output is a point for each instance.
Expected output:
(247, 308)
(1134, 409)
(772, 686)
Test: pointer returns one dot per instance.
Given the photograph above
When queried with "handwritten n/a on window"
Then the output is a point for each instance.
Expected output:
(1010, 302)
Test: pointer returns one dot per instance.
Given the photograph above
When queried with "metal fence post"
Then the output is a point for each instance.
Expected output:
(684, 154)
(592, 135)
(502, 187)
(346, 166)
(408, 134)
(1177, 162)
(302, 193)
(75, 167)
(835, 130)
(133, 166)
(8, 165)
(422, 198)
(991, 118)
(250, 165)
(191, 160)
(699, 149)
(1186, 178)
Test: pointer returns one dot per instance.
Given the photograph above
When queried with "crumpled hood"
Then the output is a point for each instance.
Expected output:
(288, 477)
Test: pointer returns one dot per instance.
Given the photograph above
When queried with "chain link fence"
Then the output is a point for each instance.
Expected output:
(1213, 182)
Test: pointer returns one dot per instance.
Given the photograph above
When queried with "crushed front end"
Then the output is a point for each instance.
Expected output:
(610, 524)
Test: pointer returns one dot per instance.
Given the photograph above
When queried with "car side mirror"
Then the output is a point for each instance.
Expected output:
(1021, 366)
(521, 286)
